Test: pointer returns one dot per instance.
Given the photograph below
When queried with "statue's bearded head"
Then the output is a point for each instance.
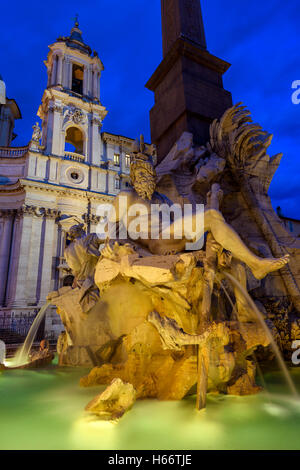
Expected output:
(76, 232)
(143, 177)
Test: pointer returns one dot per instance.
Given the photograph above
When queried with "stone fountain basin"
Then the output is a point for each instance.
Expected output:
(44, 409)
(35, 364)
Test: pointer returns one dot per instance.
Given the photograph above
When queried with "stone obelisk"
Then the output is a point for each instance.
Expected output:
(188, 84)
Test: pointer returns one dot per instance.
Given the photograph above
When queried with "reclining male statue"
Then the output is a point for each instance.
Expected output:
(143, 178)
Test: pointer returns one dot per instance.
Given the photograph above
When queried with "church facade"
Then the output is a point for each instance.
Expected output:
(69, 167)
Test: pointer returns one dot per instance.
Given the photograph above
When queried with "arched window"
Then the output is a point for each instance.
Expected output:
(74, 140)
(77, 79)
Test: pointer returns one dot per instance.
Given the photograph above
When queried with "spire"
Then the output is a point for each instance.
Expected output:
(76, 33)
(75, 40)
(76, 24)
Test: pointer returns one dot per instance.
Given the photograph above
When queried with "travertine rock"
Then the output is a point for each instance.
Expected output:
(170, 375)
(116, 399)
(84, 334)
(244, 176)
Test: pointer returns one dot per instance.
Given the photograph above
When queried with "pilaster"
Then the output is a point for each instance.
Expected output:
(46, 275)
(7, 218)
(34, 265)
(54, 70)
(60, 69)
(85, 81)
(95, 140)
(55, 135)
(18, 284)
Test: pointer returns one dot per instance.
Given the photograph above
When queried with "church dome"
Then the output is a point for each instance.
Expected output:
(75, 40)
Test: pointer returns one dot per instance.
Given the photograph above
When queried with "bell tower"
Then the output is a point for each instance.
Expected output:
(71, 111)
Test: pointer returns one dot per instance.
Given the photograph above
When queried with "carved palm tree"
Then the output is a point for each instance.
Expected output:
(244, 146)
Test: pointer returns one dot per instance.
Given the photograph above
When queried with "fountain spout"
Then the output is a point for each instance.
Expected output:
(2, 352)
(22, 356)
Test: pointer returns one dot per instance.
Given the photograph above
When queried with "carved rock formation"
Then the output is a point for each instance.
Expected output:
(116, 399)
(236, 158)
(168, 369)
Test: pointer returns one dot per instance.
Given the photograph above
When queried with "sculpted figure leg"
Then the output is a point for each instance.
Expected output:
(227, 237)
(230, 240)
(143, 178)
(243, 309)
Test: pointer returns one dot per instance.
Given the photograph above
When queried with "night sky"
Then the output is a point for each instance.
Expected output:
(259, 38)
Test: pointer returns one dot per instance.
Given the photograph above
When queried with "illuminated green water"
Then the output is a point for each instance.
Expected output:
(44, 410)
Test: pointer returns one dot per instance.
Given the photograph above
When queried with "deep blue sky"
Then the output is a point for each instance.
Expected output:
(259, 38)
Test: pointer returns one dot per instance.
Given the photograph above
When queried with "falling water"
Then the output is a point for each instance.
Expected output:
(274, 346)
(22, 356)
(2, 352)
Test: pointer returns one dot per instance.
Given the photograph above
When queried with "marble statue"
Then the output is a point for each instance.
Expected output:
(37, 133)
(82, 255)
(143, 179)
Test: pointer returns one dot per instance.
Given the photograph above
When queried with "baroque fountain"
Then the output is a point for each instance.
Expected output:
(149, 318)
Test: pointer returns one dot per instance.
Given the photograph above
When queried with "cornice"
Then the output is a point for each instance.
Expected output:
(117, 139)
(69, 100)
(13, 160)
(185, 48)
(27, 210)
(64, 190)
(60, 48)
(16, 187)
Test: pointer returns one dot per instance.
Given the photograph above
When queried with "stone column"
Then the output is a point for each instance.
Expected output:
(90, 81)
(34, 259)
(57, 254)
(94, 141)
(59, 70)
(46, 275)
(5, 246)
(85, 80)
(69, 67)
(55, 132)
(21, 245)
(14, 258)
(49, 77)
(49, 131)
(54, 71)
(64, 72)
(98, 94)
(95, 84)
(87, 87)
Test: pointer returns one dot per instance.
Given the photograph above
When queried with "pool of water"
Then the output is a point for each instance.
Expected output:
(44, 409)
